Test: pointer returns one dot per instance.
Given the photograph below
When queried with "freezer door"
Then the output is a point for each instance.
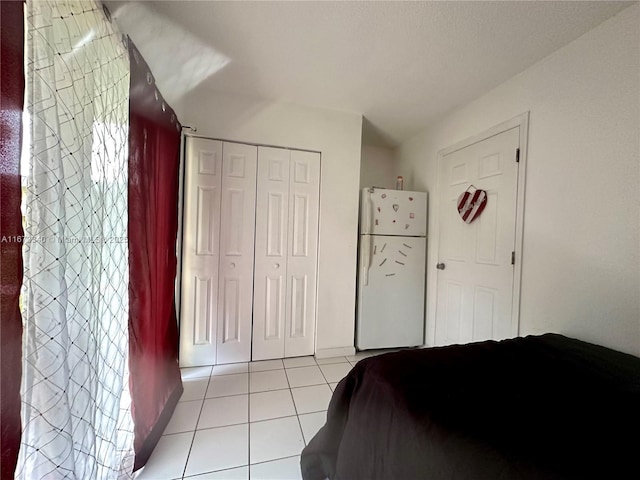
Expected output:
(393, 212)
(391, 292)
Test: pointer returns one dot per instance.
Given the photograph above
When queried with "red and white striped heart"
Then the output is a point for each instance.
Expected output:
(471, 204)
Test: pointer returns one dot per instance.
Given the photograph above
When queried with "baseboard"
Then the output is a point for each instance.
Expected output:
(335, 352)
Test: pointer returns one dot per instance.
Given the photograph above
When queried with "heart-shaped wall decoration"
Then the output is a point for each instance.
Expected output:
(471, 204)
(395, 207)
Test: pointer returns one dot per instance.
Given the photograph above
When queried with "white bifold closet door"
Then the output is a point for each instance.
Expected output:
(218, 246)
(286, 252)
(237, 220)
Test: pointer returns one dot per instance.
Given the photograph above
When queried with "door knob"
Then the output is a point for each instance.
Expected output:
(440, 266)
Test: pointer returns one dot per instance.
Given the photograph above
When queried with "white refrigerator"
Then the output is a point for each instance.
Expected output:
(391, 275)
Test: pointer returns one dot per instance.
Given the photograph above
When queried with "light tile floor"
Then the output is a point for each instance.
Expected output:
(247, 420)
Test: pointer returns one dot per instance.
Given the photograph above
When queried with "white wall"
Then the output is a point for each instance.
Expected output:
(337, 135)
(581, 271)
(377, 167)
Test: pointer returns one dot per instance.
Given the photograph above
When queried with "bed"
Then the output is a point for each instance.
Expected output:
(539, 407)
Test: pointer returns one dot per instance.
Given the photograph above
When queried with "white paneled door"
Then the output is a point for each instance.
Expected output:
(235, 291)
(200, 250)
(272, 218)
(218, 234)
(304, 191)
(286, 253)
(475, 272)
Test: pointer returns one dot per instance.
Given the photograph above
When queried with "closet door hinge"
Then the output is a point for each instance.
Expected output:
(517, 155)
(513, 258)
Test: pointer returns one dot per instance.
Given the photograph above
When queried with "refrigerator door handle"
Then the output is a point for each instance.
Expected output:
(366, 259)
(367, 212)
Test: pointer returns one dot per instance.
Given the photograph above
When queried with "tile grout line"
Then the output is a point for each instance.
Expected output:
(267, 369)
(325, 378)
(230, 373)
(249, 392)
(319, 367)
(234, 424)
(212, 471)
(249, 422)
(275, 418)
(295, 408)
(264, 370)
(274, 460)
(249, 412)
(231, 394)
(233, 468)
(193, 438)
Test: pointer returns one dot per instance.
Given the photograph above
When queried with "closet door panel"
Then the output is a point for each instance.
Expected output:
(198, 316)
(272, 215)
(304, 190)
(237, 222)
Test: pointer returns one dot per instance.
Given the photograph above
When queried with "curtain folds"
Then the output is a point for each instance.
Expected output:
(100, 344)
(11, 234)
(75, 398)
(154, 151)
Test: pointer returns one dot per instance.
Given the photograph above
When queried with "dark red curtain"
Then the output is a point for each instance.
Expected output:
(154, 150)
(12, 99)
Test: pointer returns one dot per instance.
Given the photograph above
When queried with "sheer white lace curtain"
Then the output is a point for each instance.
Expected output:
(75, 398)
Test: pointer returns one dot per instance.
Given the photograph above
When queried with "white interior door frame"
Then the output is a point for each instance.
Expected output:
(521, 121)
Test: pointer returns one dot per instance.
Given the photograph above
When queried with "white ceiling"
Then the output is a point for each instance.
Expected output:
(400, 64)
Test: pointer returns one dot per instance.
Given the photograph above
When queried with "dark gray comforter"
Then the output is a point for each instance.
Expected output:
(539, 407)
